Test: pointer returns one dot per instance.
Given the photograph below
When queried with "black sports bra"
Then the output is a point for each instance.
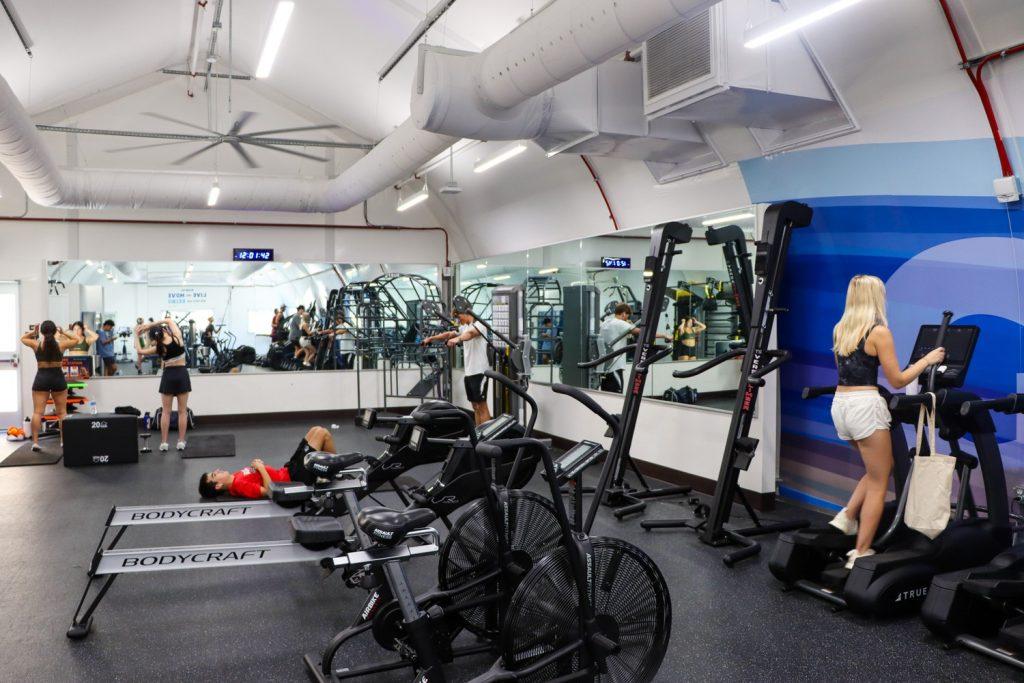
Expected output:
(173, 350)
(43, 356)
(858, 369)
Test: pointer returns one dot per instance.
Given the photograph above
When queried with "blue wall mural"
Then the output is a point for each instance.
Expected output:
(935, 252)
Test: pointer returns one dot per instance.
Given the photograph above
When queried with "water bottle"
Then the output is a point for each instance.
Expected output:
(146, 420)
(92, 407)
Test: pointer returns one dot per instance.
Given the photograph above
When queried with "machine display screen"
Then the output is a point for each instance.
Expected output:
(416, 438)
(959, 343)
(578, 457)
(618, 262)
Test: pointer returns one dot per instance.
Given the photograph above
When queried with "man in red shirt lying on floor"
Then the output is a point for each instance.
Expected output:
(254, 481)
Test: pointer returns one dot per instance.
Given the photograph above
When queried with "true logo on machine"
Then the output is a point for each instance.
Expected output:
(912, 594)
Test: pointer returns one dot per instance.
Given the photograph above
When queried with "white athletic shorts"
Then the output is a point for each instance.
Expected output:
(304, 342)
(859, 414)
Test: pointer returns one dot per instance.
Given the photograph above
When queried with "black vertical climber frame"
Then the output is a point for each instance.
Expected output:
(758, 361)
(664, 240)
(737, 262)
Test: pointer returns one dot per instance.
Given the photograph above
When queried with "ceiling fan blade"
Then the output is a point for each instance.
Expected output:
(196, 153)
(237, 146)
(326, 126)
(157, 144)
(178, 121)
(286, 151)
(242, 119)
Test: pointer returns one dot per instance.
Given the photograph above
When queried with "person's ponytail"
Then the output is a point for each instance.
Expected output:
(50, 346)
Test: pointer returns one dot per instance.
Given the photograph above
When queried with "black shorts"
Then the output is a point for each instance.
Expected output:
(612, 381)
(297, 465)
(108, 360)
(50, 379)
(175, 380)
(476, 388)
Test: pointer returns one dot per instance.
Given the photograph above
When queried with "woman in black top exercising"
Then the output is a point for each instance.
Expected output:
(49, 379)
(862, 343)
(175, 383)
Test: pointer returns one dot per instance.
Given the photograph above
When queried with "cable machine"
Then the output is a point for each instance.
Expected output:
(758, 362)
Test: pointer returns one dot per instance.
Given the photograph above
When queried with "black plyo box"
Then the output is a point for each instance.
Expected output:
(102, 439)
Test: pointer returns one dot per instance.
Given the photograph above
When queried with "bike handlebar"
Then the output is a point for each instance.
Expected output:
(589, 402)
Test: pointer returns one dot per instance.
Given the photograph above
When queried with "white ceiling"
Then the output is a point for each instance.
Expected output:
(329, 60)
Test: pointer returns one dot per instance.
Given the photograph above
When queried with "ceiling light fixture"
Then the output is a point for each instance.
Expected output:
(547, 271)
(786, 24)
(488, 164)
(282, 15)
(481, 266)
(412, 200)
(502, 277)
(732, 218)
(99, 269)
(211, 199)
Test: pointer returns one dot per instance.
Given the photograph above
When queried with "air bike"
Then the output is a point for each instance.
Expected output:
(982, 607)
(896, 579)
(562, 606)
(712, 522)
(316, 528)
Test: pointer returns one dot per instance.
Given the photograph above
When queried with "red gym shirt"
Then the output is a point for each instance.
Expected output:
(248, 482)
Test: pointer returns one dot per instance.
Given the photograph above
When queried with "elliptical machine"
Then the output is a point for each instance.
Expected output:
(895, 580)
(982, 608)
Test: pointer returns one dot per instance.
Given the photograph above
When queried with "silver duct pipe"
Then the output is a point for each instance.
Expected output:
(562, 40)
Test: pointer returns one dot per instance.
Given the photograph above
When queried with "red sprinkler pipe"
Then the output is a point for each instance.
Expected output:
(600, 188)
(979, 85)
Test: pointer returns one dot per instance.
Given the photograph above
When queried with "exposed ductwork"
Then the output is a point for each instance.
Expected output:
(564, 39)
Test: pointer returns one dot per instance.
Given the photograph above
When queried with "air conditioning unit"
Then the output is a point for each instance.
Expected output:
(698, 71)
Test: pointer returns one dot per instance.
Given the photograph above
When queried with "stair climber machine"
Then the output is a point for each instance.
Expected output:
(495, 540)
(562, 605)
(896, 579)
(737, 262)
(431, 434)
(982, 608)
(619, 493)
(758, 362)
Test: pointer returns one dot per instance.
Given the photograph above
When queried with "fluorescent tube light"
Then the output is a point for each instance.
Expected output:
(772, 30)
(282, 15)
(728, 219)
(414, 199)
(547, 271)
(481, 266)
(486, 165)
(211, 199)
(502, 277)
(100, 269)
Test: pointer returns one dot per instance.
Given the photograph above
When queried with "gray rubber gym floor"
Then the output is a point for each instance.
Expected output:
(256, 623)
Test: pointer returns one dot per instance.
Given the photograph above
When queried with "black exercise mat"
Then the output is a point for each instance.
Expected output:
(209, 446)
(24, 455)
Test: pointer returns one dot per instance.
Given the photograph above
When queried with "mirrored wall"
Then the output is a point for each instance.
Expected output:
(583, 299)
(242, 316)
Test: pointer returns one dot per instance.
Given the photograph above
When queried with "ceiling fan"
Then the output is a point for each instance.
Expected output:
(236, 138)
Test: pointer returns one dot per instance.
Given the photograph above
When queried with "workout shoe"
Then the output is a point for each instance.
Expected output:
(843, 523)
(853, 556)
(164, 447)
(180, 446)
(36, 448)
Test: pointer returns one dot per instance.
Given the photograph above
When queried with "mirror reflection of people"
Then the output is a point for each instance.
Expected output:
(306, 345)
(862, 342)
(613, 334)
(688, 330)
(81, 350)
(49, 343)
(474, 344)
(546, 341)
(209, 337)
(295, 330)
(278, 332)
(346, 343)
(175, 384)
(105, 348)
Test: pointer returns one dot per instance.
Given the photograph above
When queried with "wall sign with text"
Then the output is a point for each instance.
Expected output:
(252, 255)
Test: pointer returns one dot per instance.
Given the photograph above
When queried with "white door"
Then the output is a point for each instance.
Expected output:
(10, 347)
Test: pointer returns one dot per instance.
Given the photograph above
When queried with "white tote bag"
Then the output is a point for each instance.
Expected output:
(931, 482)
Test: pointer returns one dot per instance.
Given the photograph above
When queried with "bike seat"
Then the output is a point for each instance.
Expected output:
(329, 465)
(390, 527)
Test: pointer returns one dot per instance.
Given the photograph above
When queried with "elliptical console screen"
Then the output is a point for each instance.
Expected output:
(416, 438)
(959, 344)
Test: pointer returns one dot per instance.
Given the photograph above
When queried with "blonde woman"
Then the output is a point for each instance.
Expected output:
(862, 343)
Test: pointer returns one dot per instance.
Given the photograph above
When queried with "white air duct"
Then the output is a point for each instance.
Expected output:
(564, 39)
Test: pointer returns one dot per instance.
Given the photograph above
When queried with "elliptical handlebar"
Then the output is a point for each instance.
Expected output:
(905, 400)
(590, 403)
(717, 360)
(815, 392)
(1014, 403)
(947, 317)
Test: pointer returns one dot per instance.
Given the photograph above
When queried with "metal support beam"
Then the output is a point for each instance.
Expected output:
(182, 72)
(19, 28)
(417, 33)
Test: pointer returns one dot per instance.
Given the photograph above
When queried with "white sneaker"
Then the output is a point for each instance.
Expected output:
(180, 446)
(164, 447)
(842, 522)
(36, 448)
(853, 556)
